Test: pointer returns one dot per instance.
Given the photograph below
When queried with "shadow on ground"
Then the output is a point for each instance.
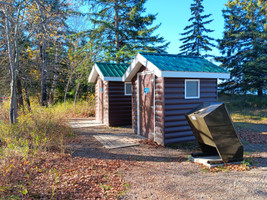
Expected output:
(262, 128)
(91, 148)
(88, 146)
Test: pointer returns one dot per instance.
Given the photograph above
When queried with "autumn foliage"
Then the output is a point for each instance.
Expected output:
(34, 163)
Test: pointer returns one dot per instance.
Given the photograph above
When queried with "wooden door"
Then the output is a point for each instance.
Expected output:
(101, 101)
(146, 105)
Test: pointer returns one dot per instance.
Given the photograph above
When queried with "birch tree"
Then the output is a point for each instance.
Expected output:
(12, 13)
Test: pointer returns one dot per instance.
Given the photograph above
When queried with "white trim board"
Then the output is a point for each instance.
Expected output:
(138, 104)
(112, 79)
(195, 74)
(140, 61)
(93, 75)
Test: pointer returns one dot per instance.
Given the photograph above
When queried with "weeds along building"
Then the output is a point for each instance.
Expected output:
(166, 87)
(112, 96)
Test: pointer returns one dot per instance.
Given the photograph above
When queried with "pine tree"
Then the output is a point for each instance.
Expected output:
(244, 45)
(196, 40)
(124, 29)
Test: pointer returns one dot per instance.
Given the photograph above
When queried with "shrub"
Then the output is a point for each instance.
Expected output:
(4, 111)
(41, 130)
(81, 109)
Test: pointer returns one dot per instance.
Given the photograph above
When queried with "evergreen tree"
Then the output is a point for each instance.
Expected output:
(124, 29)
(244, 45)
(196, 40)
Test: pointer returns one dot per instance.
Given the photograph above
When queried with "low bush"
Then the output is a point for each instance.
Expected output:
(24, 143)
(79, 110)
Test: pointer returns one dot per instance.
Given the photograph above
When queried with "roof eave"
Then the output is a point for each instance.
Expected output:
(112, 79)
(217, 75)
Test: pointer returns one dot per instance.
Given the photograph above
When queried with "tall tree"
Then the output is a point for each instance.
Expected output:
(124, 29)
(196, 41)
(244, 45)
(48, 22)
(12, 17)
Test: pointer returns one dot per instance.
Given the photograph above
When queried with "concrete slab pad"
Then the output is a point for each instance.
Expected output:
(117, 141)
(84, 123)
(206, 159)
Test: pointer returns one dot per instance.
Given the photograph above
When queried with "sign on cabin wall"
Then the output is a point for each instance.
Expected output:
(146, 90)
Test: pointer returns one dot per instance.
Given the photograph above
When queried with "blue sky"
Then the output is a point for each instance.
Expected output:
(174, 14)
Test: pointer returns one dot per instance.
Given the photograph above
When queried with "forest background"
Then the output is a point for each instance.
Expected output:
(47, 47)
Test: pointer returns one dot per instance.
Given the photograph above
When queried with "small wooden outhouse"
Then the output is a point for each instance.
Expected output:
(164, 88)
(112, 96)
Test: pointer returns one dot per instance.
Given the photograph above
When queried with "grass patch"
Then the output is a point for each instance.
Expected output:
(244, 102)
(34, 164)
(81, 109)
(249, 107)
(246, 109)
(27, 145)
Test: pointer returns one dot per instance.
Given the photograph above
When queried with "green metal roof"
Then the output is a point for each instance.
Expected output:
(112, 69)
(169, 62)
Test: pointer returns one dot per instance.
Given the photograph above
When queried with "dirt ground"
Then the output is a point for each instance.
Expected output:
(165, 172)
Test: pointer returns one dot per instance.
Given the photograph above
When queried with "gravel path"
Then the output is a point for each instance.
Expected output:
(165, 173)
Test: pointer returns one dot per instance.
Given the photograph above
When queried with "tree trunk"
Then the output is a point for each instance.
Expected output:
(67, 86)
(12, 70)
(27, 97)
(20, 95)
(78, 87)
(13, 99)
(43, 57)
(43, 74)
(53, 89)
(54, 83)
(76, 93)
(116, 24)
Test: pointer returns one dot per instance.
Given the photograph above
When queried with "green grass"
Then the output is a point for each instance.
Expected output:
(81, 109)
(246, 108)
(237, 102)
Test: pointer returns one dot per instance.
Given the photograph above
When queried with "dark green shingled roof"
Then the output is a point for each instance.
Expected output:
(169, 62)
(112, 69)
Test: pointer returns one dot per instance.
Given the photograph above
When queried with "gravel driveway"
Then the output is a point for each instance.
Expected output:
(165, 173)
